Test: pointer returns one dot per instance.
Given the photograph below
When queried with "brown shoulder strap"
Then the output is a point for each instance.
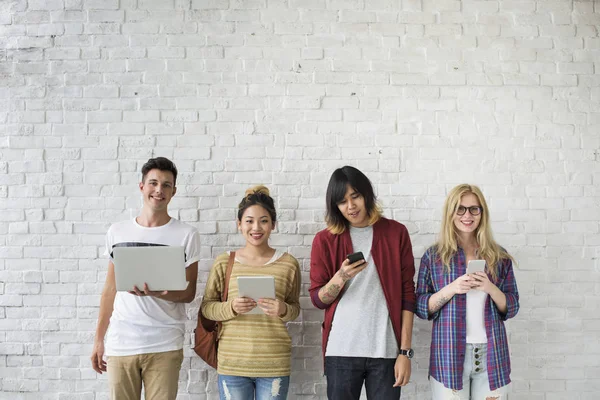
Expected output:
(228, 275)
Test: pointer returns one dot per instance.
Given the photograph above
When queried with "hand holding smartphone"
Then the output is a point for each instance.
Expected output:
(473, 267)
(346, 271)
(354, 257)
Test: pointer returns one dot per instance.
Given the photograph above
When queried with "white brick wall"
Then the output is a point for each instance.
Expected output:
(419, 94)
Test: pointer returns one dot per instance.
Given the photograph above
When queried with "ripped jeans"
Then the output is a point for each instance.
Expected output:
(475, 379)
(245, 388)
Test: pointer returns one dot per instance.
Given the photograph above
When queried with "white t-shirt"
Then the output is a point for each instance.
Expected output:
(361, 324)
(141, 325)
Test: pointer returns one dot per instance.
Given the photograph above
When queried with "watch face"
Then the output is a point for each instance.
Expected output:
(410, 353)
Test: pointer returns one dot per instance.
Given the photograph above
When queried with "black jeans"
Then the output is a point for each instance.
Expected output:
(345, 377)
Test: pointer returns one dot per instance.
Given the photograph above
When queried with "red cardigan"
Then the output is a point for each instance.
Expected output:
(392, 254)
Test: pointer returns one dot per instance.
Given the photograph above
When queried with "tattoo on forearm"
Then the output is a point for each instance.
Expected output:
(330, 293)
(438, 304)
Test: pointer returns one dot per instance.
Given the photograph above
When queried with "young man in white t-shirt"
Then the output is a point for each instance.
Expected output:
(144, 342)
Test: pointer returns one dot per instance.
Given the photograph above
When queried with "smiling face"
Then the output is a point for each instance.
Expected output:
(256, 225)
(467, 224)
(352, 207)
(158, 188)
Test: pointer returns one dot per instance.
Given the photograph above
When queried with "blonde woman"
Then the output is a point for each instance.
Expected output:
(254, 354)
(469, 347)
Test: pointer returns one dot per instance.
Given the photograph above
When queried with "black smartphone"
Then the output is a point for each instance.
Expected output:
(354, 257)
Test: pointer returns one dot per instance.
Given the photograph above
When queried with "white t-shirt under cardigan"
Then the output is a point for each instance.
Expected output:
(361, 324)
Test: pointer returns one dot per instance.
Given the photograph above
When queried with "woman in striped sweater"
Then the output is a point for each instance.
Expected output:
(254, 354)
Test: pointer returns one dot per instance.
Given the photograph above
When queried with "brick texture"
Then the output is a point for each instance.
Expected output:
(419, 94)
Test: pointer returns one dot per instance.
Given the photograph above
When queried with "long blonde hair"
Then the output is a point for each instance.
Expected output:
(447, 245)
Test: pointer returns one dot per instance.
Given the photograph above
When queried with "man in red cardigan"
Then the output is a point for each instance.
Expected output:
(369, 304)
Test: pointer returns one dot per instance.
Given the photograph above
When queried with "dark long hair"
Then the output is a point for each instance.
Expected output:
(336, 191)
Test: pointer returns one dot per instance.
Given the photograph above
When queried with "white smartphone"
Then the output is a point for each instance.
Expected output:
(475, 266)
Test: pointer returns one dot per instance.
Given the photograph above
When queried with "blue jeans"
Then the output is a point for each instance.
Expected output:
(245, 388)
(475, 378)
(345, 377)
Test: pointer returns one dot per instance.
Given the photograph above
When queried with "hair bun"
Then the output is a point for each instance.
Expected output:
(257, 189)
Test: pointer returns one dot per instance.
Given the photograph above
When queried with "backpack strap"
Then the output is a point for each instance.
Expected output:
(226, 289)
(228, 275)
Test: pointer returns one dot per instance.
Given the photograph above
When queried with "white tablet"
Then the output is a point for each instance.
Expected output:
(161, 267)
(256, 287)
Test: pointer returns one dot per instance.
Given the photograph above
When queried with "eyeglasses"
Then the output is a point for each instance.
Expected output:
(473, 210)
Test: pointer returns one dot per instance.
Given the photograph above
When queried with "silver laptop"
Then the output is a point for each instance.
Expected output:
(161, 267)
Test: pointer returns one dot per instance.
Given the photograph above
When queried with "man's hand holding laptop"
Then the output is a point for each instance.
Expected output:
(147, 292)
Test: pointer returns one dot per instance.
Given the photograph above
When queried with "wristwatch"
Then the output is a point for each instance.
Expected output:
(409, 353)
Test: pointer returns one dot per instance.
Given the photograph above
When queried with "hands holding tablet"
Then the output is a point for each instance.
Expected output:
(243, 305)
(261, 288)
(271, 307)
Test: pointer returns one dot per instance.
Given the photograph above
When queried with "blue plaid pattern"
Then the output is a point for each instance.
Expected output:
(449, 331)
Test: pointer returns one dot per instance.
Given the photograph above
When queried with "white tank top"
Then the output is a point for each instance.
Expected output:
(476, 316)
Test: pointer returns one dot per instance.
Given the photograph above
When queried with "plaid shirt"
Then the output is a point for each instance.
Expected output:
(449, 332)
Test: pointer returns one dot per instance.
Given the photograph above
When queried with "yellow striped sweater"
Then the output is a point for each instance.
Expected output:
(253, 345)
